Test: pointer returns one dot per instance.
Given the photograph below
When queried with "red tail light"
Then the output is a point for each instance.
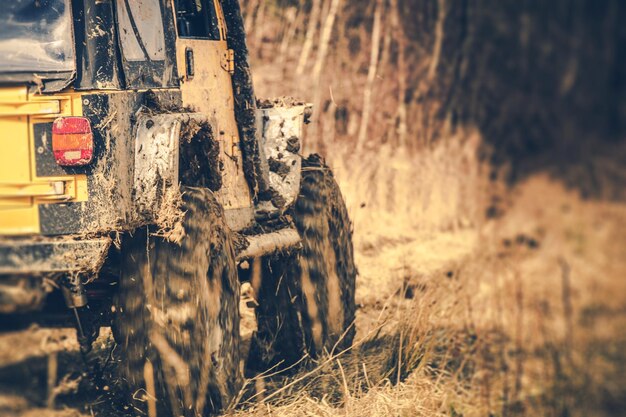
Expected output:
(72, 141)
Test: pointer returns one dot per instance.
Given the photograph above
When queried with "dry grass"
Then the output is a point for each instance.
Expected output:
(528, 320)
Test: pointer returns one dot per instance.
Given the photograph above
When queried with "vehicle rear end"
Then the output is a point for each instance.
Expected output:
(33, 183)
(69, 104)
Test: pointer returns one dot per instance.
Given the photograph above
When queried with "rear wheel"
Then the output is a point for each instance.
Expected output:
(177, 320)
(306, 300)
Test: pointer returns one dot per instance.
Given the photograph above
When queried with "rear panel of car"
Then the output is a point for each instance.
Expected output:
(22, 190)
(37, 195)
(126, 61)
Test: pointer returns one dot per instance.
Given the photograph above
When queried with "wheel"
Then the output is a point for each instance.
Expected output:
(177, 314)
(306, 300)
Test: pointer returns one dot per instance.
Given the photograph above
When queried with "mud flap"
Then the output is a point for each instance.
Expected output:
(156, 182)
(280, 127)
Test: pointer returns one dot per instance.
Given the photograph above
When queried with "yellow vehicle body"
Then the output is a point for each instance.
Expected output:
(22, 190)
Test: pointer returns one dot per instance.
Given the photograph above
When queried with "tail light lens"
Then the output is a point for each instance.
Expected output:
(72, 141)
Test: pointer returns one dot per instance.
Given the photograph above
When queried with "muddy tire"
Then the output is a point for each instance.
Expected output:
(177, 320)
(306, 300)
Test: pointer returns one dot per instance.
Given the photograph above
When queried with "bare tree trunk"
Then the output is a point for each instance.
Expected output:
(386, 49)
(441, 18)
(371, 76)
(327, 31)
(259, 21)
(294, 16)
(325, 38)
(249, 12)
(402, 78)
(310, 36)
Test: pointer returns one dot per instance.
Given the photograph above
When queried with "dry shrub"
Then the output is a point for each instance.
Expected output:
(405, 369)
(442, 187)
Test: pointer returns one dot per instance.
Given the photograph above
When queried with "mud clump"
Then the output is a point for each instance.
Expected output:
(293, 144)
(279, 102)
(277, 199)
(200, 165)
(279, 167)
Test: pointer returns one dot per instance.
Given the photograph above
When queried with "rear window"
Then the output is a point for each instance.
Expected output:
(36, 36)
(147, 42)
(141, 30)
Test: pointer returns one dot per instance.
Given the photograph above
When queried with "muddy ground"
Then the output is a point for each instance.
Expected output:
(563, 256)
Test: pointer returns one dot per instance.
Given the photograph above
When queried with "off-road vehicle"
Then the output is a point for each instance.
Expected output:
(139, 176)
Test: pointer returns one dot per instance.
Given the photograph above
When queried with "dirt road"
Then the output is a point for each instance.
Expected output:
(545, 278)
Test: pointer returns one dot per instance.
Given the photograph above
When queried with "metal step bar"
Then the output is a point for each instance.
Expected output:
(268, 243)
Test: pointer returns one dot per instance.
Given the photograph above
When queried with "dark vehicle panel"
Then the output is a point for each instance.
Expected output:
(147, 41)
(125, 44)
(97, 55)
(36, 42)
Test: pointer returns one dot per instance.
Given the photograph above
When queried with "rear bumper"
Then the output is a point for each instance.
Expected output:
(37, 256)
